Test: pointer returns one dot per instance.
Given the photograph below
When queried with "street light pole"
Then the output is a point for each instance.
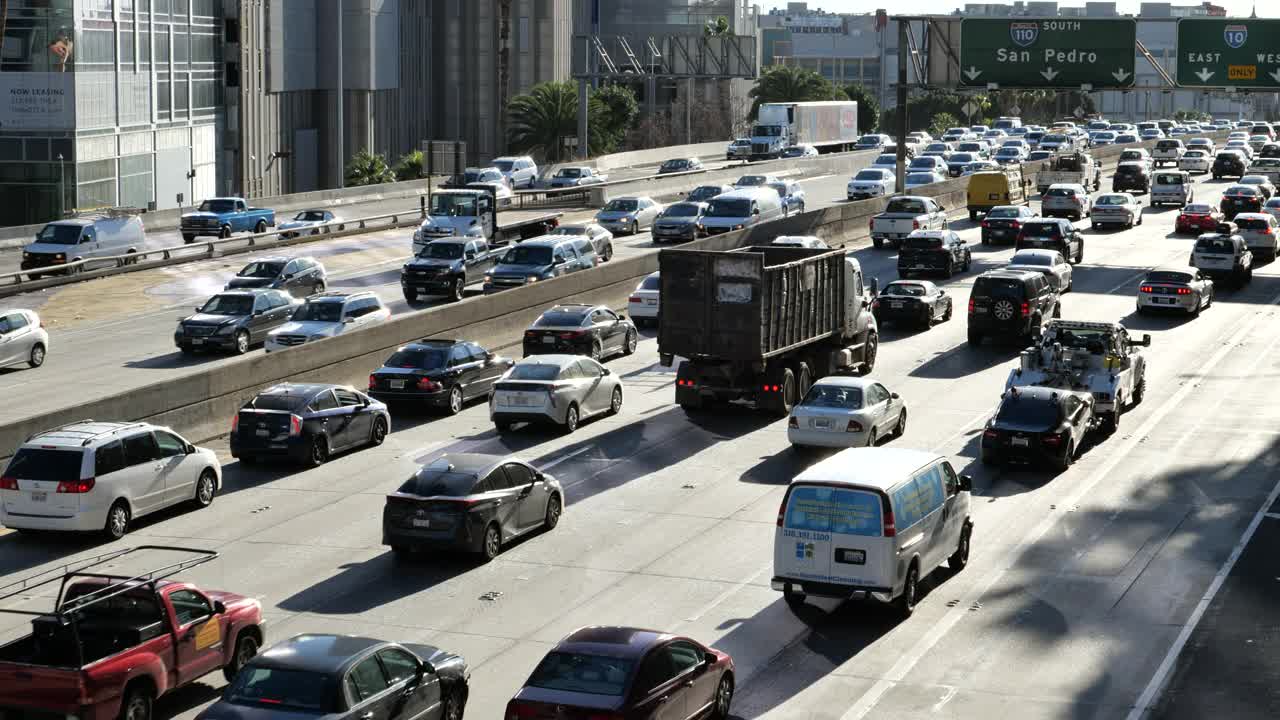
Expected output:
(342, 158)
(62, 186)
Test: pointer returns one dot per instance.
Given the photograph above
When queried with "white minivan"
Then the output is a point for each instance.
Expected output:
(740, 209)
(871, 522)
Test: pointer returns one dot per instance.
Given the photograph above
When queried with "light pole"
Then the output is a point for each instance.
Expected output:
(342, 157)
(62, 186)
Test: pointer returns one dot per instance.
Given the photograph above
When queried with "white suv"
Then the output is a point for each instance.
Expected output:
(326, 315)
(100, 476)
(521, 172)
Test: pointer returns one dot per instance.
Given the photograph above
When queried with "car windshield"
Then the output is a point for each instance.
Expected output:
(217, 206)
(1251, 223)
(766, 131)
(1168, 277)
(310, 216)
(833, 396)
(905, 289)
(905, 205)
(453, 205)
(504, 165)
(534, 371)
(418, 359)
(1028, 412)
(580, 673)
(1031, 259)
(681, 210)
(59, 234)
(1197, 210)
(528, 255)
(318, 312)
(869, 140)
(430, 482)
(1042, 230)
(751, 180)
(653, 282)
(923, 162)
(705, 192)
(1008, 151)
(276, 688)
(961, 158)
(1194, 154)
(228, 305)
(569, 173)
(720, 207)
(872, 175)
(45, 464)
(1215, 244)
(922, 243)
(554, 318)
(1252, 180)
(1060, 192)
(261, 270)
(971, 147)
(1112, 200)
(442, 251)
(1055, 138)
(793, 152)
(622, 205)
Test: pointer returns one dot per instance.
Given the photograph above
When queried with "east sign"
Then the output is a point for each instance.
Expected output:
(1228, 52)
(1047, 52)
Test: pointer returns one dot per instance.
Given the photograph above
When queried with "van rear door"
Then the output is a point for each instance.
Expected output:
(833, 534)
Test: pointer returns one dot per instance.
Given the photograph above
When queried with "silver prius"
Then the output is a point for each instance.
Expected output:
(559, 389)
(842, 412)
(23, 339)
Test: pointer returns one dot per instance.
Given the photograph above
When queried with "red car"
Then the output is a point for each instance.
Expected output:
(1197, 218)
(617, 673)
(115, 642)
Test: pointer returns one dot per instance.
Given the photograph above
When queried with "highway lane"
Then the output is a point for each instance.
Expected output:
(1077, 586)
(126, 322)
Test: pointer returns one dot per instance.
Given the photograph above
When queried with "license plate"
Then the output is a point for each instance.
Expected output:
(39, 496)
(980, 310)
(263, 433)
(851, 557)
(1019, 442)
(919, 267)
(998, 233)
(197, 341)
(1166, 301)
(822, 422)
(651, 301)
(896, 305)
(397, 384)
(421, 523)
(548, 340)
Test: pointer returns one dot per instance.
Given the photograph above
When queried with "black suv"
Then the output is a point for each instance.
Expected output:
(1228, 163)
(298, 276)
(593, 330)
(1005, 222)
(307, 423)
(1011, 304)
(1038, 425)
(1052, 234)
(438, 373)
(234, 320)
(1131, 176)
(936, 251)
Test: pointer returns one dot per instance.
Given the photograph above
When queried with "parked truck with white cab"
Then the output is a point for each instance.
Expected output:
(828, 126)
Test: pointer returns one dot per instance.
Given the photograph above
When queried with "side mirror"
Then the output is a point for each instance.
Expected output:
(348, 320)
(710, 658)
(966, 483)
(894, 396)
(219, 607)
(875, 286)
(190, 449)
(607, 371)
(426, 668)
(1146, 339)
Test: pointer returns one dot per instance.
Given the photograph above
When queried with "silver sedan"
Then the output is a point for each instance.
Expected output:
(560, 389)
(1116, 209)
(629, 214)
(842, 412)
(1050, 263)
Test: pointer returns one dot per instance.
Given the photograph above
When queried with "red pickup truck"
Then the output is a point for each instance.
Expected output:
(116, 642)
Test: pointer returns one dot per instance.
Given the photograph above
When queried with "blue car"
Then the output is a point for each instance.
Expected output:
(792, 195)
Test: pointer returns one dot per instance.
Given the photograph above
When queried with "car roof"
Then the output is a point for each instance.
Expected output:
(1007, 274)
(435, 343)
(254, 292)
(304, 390)
(465, 463)
(612, 641)
(1173, 268)
(879, 468)
(316, 653)
(1034, 252)
(271, 258)
(548, 240)
(82, 434)
(340, 296)
(1253, 216)
(571, 307)
(560, 361)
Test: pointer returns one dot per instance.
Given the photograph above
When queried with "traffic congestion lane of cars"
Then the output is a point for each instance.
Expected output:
(619, 470)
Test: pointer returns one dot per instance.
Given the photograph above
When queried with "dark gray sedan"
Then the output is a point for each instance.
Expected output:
(234, 321)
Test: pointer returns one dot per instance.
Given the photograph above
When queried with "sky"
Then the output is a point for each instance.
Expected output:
(1235, 8)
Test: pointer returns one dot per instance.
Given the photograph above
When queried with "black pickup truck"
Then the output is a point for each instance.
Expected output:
(446, 267)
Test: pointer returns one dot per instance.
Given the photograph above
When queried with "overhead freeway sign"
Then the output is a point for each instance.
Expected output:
(1048, 52)
(1228, 52)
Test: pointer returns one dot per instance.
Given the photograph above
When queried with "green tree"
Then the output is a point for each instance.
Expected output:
(614, 109)
(789, 83)
(367, 168)
(941, 122)
(868, 108)
(716, 27)
(411, 166)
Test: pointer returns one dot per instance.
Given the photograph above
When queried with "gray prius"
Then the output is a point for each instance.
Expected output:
(558, 389)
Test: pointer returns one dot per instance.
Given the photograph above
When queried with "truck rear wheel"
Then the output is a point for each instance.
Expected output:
(225, 232)
(806, 379)
(138, 701)
(869, 352)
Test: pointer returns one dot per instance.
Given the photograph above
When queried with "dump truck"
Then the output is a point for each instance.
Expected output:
(758, 325)
(828, 126)
(1070, 169)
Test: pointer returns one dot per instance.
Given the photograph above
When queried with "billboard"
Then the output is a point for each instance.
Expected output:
(37, 101)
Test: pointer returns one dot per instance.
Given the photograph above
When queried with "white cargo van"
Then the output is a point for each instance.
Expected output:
(111, 234)
(871, 522)
(740, 209)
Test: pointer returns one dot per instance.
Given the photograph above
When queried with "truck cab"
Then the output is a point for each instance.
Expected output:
(457, 213)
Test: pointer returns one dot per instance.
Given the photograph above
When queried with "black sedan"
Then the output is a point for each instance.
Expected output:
(912, 302)
(594, 330)
(234, 321)
(307, 423)
(475, 503)
(443, 374)
(299, 276)
(1240, 199)
(341, 677)
(1005, 222)
(1037, 425)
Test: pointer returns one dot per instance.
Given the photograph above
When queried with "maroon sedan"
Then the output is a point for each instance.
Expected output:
(617, 673)
(1197, 218)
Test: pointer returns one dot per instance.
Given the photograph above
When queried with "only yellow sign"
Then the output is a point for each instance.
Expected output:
(1242, 72)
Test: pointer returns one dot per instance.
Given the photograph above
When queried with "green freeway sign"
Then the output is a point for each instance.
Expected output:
(1224, 52)
(1048, 52)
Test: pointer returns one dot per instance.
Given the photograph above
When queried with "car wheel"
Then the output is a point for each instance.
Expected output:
(906, 602)
(187, 239)
(960, 558)
(502, 426)
(318, 453)
(597, 351)
(1139, 218)
(608, 252)
(206, 488)
(246, 649)
(869, 353)
(629, 345)
(635, 227)
(973, 216)
(224, 232)
(901, 428)
(491, 545)
(871, 438)
(379, 434)
(946, 316)
(570, 419)
(724, 698)
(968, 261)
(261, 227)
(877, 242)
(137, 703)
(117, 521)
(950, 270)
(242, 342)
(615, 402)
(552, 517)
(455, 401)
(1068, 457)
(459, 289)
(36, 359)
(1140, 390)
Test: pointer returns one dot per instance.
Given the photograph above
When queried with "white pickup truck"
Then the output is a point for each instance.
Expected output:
(1096, 357)
(1072, 169)
(905, 214)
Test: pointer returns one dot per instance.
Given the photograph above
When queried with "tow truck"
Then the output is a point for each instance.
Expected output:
(116, 641)
(1100, 358)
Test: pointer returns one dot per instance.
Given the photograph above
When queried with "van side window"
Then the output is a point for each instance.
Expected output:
(949, 479)
(108, 459)
(914, 500)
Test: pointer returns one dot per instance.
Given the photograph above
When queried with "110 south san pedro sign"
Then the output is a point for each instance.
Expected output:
(1047, 52)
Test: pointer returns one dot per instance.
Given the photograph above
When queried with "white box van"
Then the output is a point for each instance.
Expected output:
(740, 209)
(871, 522)
(64, 241)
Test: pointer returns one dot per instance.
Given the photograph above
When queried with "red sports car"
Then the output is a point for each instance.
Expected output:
(1197, 218)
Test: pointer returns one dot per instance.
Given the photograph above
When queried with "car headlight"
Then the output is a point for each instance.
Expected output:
(417, 235)
(316, 337)
(488, 278)
(226, 329)
(532, 278)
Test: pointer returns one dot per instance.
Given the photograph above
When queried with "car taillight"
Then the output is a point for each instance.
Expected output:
(235, 422)
(685, 383)
(772, 388)
(1184, 291)
(1015, 225)
(519, 711)
(890, 529)
(76, 487)
(531, 333)
(986, 224)
(990, 434)
(428, 385)
(1052, 440)
(8, 483)
(782, 509)
(792, 422)
(571, 334)
(634, 299)
(853, 426)
(373, 381)
(295, 425)
(1026, 309)
(970, 306)
(1145, 289)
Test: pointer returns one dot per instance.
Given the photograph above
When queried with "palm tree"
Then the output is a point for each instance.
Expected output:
(367, 168)
(789, 83)
(717, 27)
(410, 166)
(540, 121)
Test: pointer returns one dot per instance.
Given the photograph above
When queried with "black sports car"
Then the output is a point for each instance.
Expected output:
(1038, 425)
(440, 373)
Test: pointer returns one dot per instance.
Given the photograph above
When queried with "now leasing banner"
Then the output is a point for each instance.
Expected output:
(37, 101)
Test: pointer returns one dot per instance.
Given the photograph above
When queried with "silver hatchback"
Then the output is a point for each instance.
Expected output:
(559, 389)
(1065, 200)
(23, 339)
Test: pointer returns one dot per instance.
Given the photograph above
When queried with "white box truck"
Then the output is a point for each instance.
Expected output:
(828, 126)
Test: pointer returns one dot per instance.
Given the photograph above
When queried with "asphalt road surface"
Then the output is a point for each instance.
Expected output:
(1079, 588)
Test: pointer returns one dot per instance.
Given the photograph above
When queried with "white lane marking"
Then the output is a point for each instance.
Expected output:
(1161, 677)
(562, 458)
(908, 661)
